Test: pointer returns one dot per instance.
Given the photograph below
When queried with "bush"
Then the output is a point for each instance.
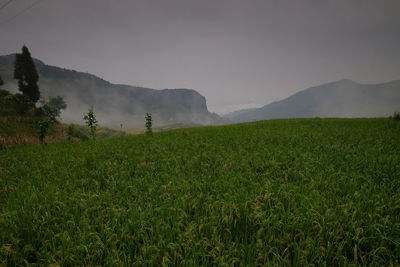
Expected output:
(43, 128)
(91, 122)
(76, 131)
(15, 104)
(4, 93)
(22, 104)
(149, 124)
(396, 116)
(52, 107)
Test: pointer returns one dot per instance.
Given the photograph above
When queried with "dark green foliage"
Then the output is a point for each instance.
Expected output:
(52, 108)
(1, 81)
(4, 94)
(6, 103)
(311, 192)
(78, 132)
(396, 116)
(149, 124)
(49, 112)
(91, 122)
(43, 128)
(70, 131)
(11, 104)
(27, 76)
(21, 103)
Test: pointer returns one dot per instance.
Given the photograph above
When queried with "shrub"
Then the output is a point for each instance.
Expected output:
(396, 116)
(4, 93)
(70, 132)
(43, 128)
(52, 108)
(149, 124)
(76, 131)
(22, 104)
(91, 122)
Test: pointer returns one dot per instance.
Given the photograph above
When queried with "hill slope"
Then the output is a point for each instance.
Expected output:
(115, 104)
(343, 98)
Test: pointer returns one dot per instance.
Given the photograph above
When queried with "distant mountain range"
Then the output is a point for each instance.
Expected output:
(115, 104)
(344, 98)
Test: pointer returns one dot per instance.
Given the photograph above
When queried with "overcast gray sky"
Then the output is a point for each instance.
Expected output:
(237, 53)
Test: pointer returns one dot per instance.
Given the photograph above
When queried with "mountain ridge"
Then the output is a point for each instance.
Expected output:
(343, 98)
(115, 104)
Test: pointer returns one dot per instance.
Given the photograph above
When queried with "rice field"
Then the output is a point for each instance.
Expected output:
(280, 192)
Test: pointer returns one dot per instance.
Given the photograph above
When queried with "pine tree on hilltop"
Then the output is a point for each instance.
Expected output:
(27, 76)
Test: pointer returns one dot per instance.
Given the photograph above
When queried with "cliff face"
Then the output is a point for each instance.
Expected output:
(114, 104)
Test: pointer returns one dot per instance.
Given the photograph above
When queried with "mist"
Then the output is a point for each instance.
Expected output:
(115, 104)
(339, 99)
(235, 53)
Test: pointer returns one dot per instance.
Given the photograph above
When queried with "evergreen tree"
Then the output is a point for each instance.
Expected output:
(1, 81)
(27, 76)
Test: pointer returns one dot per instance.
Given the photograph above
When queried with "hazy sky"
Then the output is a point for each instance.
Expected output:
(236, 53)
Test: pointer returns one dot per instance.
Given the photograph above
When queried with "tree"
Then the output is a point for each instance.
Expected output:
(149, 124)
(1, 81)
(27, 76)
(91, 122)
(49, 111)
(52, 108)
(43, 128)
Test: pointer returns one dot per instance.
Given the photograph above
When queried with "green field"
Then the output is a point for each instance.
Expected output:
(280, 192)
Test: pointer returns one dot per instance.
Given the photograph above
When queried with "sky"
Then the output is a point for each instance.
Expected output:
(237, 53)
